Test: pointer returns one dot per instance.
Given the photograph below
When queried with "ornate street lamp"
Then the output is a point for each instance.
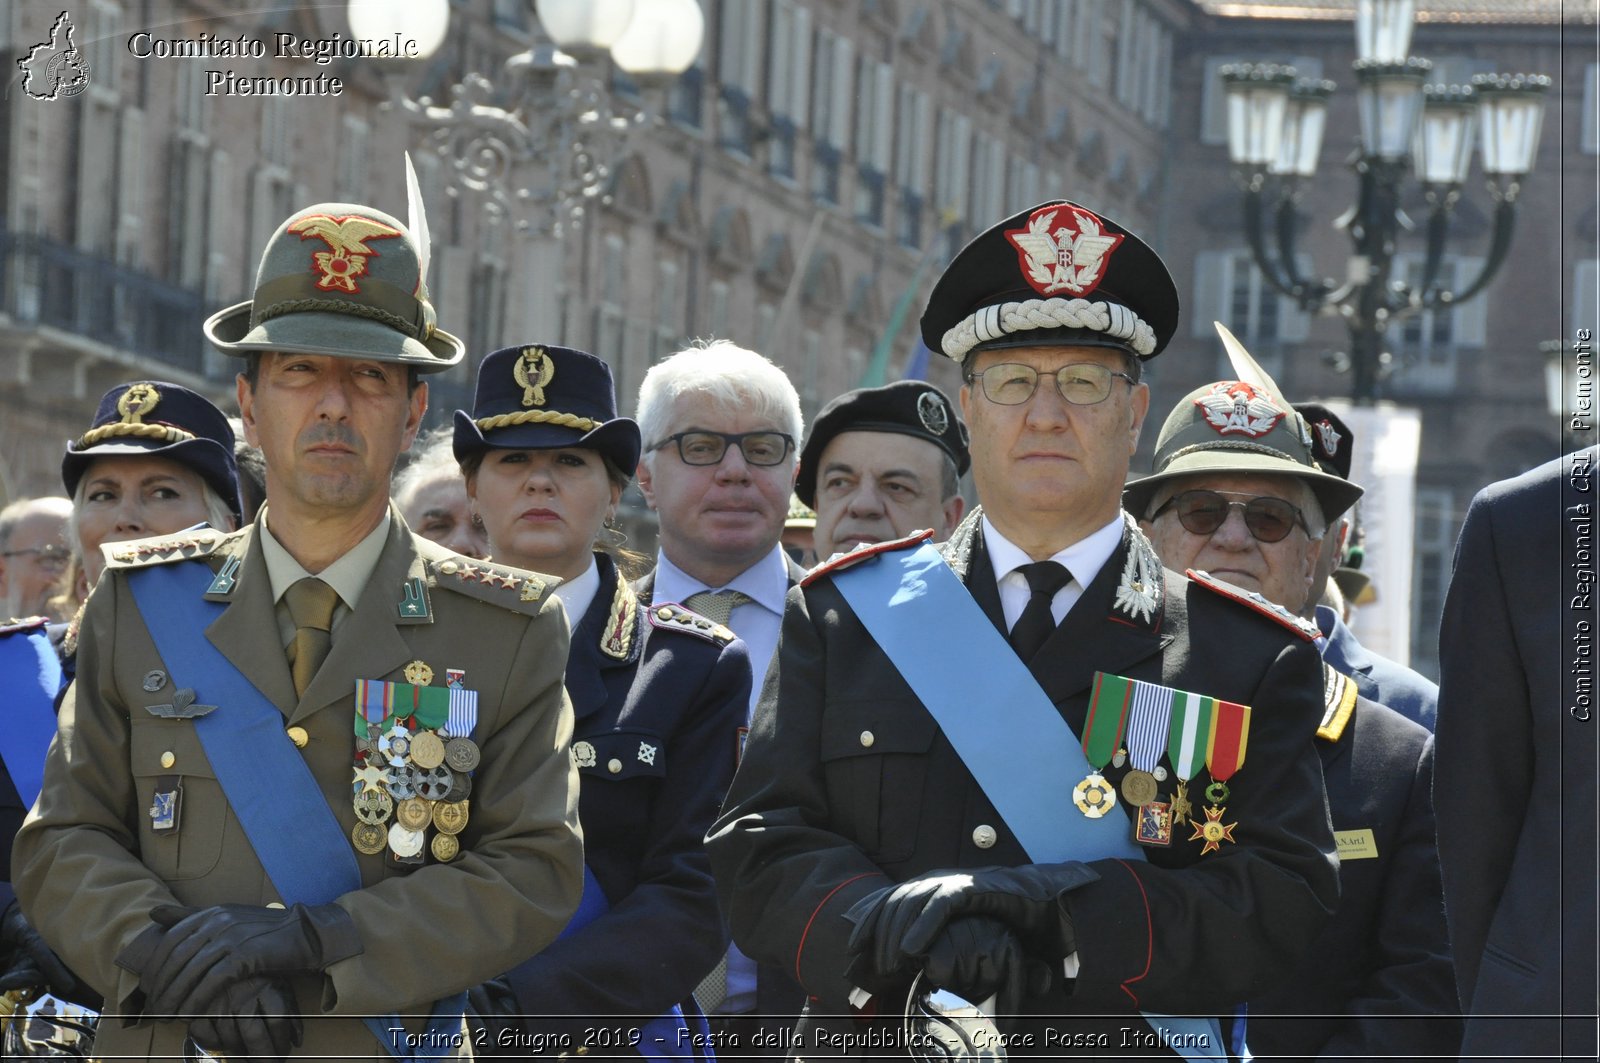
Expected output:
(540, 140)
(1275, 124)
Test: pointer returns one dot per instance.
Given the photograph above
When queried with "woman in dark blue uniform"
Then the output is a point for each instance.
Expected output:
(157, 459)
(658, 695)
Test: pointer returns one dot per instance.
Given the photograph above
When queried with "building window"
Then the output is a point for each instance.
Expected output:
(952, 170)
(1426, 343)
(874, 137)
(717, 310)
(832, 101)
(353, 153)
(669, 311)
(912, 157)
(1230, 289)
(988, 180)
(1585, 297)
(788, 83)
(1433, 553)
(739, 69)
(1590, 137)
(688, 96)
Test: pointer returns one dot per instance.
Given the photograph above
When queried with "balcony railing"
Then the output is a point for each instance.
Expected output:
(45, 282)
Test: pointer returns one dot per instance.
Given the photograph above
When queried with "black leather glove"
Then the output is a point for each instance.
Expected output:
(255, 1019)
(976, 957)
(902, 921)
(204, 951)
(29, 962)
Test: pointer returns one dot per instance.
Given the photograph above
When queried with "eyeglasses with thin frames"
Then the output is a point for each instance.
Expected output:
(1081, 384)
(705, 447)
(1201, 512)
(49, 556)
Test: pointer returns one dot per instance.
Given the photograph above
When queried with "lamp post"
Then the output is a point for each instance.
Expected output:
(1275, 125)
(544, 135)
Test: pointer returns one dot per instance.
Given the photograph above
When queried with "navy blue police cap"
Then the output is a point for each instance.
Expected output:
(543, 397)
(906, 407)
(154, 418)
(1056, 274)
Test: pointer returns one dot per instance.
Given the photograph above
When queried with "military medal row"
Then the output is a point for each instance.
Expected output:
(413, 761)
(1134, 722)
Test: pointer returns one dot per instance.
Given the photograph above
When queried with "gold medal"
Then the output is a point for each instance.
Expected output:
(1180, 803)
(450, 816)
(418, 674)
(427, 751)
(369, 838)
(373, 806)
(1139, 788)
(1213, 830)
(404, 841)
(413, 813)
(445, 847)
(462, 754)
(1094, 796)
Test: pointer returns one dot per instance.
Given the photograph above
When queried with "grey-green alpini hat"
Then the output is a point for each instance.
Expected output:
(345, 280)
(1239, 426)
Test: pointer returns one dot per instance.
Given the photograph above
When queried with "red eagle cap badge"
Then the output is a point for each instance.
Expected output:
(1233, 407)
(346, 237)
(1063, 249)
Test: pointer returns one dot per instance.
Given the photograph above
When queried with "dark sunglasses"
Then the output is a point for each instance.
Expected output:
(1201, 512)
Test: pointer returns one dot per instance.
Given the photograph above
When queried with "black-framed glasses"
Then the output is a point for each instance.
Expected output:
(704, 447)
(1201, 512)
(49, 556)
(1081, 384)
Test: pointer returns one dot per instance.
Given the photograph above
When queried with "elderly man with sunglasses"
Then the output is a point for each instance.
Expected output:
(984, 766)
(1238, 493)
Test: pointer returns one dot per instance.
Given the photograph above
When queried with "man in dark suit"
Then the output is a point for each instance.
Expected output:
(1517, 763)
(1379, 974)
(254, 829)
(721, 427)
(884, 825)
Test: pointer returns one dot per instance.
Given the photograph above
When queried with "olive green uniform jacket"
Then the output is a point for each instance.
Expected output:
(89, 868)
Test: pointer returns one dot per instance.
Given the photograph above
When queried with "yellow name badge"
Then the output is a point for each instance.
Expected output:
(1356, 844)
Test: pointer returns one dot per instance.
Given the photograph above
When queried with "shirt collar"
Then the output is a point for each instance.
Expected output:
(766, 582)
(578, 594)
(1084, 558)
(348, 576)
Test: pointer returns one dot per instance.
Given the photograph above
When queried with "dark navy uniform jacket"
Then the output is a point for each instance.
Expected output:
(659, 695)
(848, 785)
(1406, 691)
(1378, 981)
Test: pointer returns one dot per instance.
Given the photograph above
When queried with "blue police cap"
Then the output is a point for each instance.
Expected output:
(542, 397)
(155, 418)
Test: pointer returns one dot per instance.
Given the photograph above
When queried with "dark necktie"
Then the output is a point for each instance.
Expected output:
(1033, 627)
(311, 603)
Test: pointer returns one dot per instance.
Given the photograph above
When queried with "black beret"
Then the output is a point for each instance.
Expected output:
(906, 407)
(153, 417)
(1331, 439)
(1056, 274)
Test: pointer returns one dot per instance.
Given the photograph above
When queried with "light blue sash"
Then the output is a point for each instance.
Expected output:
(264, 777)
(30, 663)
(902, 598)
(659, 1037)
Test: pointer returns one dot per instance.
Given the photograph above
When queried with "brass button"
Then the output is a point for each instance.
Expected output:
(867, 738)
(168, 759)
(983, 836)
(298, 736)
(614, 766)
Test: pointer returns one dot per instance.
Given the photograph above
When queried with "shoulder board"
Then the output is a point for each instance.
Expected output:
(1339, 703)
(510, 588)
(1252, 600)
(22, 625)
(670, 616)
(840, 562)
(161, 549)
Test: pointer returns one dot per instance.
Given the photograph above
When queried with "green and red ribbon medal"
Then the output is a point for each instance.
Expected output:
(1102, 734)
